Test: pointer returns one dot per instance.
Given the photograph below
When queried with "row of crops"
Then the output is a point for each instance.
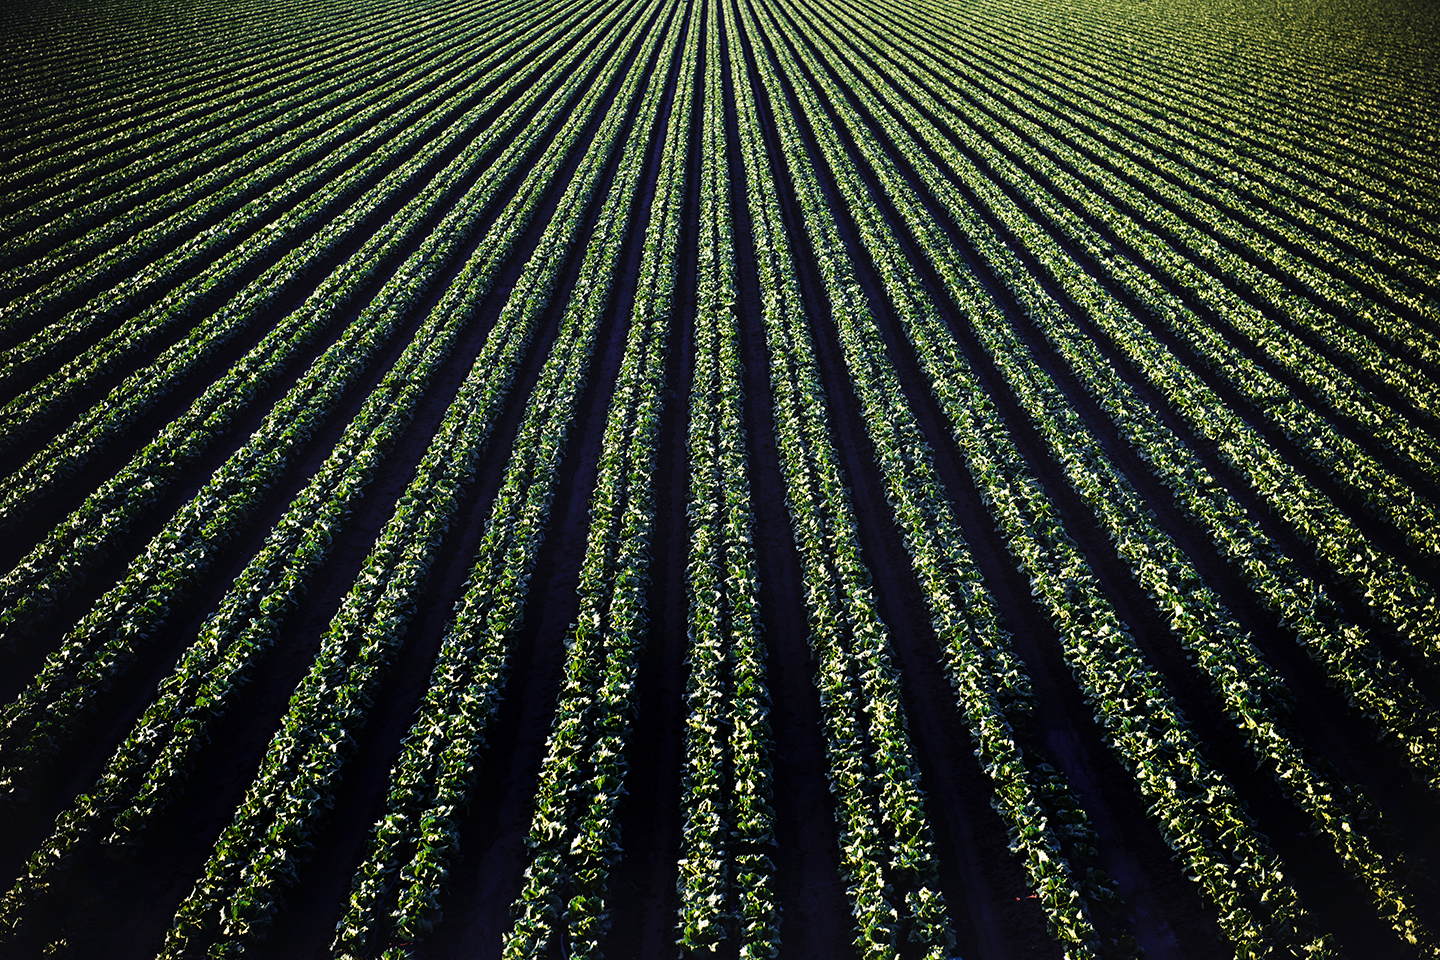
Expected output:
(719, 478)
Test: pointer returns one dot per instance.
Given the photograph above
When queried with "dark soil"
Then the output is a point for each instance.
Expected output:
(122, 908)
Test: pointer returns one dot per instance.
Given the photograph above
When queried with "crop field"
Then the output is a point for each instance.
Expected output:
(677, 479)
